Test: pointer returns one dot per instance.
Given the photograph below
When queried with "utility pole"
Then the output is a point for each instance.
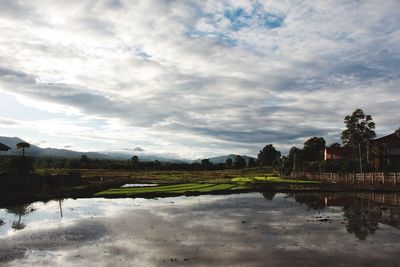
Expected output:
(294, 162)
(359, 151)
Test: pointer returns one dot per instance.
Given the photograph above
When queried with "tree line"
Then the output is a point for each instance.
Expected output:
(359, 128)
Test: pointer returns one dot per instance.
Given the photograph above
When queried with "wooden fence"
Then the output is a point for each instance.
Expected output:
(392, 199)
(371, 178)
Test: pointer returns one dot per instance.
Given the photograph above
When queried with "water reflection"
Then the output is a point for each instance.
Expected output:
(363, 211)
(274, 229)
(269, 195)
(19, 210)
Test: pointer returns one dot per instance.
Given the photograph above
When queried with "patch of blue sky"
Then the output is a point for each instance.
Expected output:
(136, 50)
(272, 21)
(271, 103)
(139, 52)
(11, 108)
(240, 18)
(220, 36)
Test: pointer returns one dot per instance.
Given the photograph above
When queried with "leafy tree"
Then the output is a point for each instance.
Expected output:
(239, 162)
(84, 161)
(22, 146)
(252, 163)
(314, 149)
(206, 164)
(295, 159)
(157, 163)
(135, 160)
(229, 163)
(267, 155)
(20, 165)
(359, 128)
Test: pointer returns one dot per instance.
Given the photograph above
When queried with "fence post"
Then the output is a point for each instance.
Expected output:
(354, 178)
(383, 177)
(395, 178)
(373, 176)
(363, 176)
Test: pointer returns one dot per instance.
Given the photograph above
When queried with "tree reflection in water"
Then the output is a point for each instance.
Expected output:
(361, 221)
(362, 213)
(19, 210)
(269, 195)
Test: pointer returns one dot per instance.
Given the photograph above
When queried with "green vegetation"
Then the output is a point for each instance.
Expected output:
(174, 189)
(237, 183)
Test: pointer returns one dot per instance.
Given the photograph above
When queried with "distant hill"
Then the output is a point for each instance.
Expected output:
(144, 157)
(222, 159)
(35, 151)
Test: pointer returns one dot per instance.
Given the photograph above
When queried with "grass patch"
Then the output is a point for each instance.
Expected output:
(205, 185)
(178, 189)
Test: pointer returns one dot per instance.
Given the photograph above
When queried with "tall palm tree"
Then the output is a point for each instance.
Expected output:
(23, 146)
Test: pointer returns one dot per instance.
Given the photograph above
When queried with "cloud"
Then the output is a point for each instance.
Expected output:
(8, 122)
(204, 77)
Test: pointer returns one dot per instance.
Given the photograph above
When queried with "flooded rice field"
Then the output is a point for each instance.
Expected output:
(252, 229)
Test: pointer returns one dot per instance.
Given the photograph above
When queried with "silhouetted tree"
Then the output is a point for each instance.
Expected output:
(295, 160)
(252, 163)
(84, 161)
(206, 164)
(239, 162)
(228, 163)
(135, 160)
(267, 155)
(23, 146)
(157, 164)
(359, 128)
(314, 149)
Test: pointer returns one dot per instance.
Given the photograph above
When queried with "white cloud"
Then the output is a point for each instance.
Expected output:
(186, 77)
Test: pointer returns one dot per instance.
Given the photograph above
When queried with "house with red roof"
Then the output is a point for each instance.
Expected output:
(337, 153)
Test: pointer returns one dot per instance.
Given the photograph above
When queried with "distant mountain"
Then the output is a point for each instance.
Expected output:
(222, 159)
(144, 157)
(35, 151)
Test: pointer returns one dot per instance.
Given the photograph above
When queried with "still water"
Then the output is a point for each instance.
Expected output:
(252, 229)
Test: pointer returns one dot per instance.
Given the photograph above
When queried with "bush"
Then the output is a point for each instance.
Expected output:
(20, 165)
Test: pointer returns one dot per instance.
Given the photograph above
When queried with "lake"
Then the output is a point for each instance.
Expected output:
(251, 229)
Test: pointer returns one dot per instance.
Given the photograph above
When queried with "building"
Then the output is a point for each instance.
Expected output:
(4, 147)
(337, 153)
(384, 152)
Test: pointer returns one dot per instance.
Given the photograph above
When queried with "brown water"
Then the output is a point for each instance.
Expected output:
(253, 229)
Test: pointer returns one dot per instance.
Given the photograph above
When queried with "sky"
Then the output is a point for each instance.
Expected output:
(195, 79)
